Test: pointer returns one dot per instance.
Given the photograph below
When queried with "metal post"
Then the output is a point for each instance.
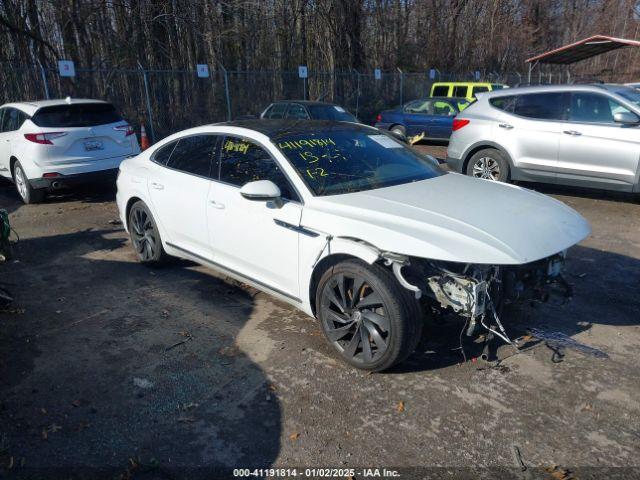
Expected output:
(530, 68)
(226, 90)
(357, 91)
(44, 80)
(568, 76)
(146, 91)
(401, 87)
(304, 88)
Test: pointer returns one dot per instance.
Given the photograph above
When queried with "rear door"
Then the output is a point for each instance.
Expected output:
(178, 186)
(93, 131)
(531, 134)
(595, 150)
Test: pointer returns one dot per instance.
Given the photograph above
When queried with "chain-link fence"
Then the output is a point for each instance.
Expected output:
(166, 101)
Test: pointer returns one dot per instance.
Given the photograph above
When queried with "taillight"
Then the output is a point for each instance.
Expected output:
(458, 123)
(44, 138)
(127, 129)
(379, 118)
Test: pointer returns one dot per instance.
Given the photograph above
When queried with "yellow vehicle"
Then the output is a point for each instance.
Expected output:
(467, 90)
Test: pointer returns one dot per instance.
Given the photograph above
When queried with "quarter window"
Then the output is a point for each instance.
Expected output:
(162, 155)
(593, 108)
(242, 161)
(542, 106)
(194, 155)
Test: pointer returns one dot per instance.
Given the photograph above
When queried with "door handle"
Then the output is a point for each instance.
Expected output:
(157, 186)
(217, 205)
(573, 133)
(506, 126)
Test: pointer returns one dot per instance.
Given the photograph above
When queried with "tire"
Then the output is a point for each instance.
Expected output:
(27, 193)
(383, 327)
(489, 164)
(399, 130)
(145, 236)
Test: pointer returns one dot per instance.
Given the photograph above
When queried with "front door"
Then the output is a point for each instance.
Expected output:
(595, 151)
(256, 239)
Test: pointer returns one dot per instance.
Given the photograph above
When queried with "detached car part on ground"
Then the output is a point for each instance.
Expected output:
(346, 223)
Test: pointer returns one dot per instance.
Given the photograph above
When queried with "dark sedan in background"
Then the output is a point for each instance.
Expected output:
(431, 116)
(308, 110)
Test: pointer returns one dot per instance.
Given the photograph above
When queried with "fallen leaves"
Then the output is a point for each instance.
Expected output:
(53, 428)
(559, 473)
(294, 436)
(400, 407)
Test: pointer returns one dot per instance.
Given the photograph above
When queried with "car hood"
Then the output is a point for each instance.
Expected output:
(454, 218)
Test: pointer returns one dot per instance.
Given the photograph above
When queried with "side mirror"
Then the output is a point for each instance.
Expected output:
(626, 118)
(261, 191)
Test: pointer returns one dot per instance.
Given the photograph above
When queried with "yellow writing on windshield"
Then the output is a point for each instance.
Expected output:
(231, 146)
(308, 143)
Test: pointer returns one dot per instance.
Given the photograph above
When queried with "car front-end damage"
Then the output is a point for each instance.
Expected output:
(478, 292)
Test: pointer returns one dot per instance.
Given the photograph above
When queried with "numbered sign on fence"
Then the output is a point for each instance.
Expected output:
(203, 70)
(432, 74)
(66, 68)
(377, 74)
(302, 71)
(477, 74)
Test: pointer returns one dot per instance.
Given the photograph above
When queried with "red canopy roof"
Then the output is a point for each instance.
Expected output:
(589, 47)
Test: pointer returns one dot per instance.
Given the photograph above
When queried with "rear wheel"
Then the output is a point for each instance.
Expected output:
(489, 164)
(27, 193)
(145, 235)
(367, 317)
(399, 130)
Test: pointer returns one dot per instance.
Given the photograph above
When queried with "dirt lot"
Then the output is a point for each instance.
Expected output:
(94, 379)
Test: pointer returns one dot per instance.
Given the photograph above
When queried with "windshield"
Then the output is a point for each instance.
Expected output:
(334, 161)
(330, 112)
(630, 95)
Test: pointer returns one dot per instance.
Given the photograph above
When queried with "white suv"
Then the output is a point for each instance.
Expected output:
(582, 135)
(51, 144)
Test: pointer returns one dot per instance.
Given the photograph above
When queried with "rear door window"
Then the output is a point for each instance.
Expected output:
(460, 91)
(541, 106)
(277, 111)
(505, 104)
(12, 119)
(194, 155)
(418, 106)
(77, 115)
(440, 91)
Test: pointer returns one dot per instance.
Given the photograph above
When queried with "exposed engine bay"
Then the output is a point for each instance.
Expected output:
(475, 291)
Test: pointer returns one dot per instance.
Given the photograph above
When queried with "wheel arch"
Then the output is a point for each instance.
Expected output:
(12, 163)
(127, 210)
(484, 145)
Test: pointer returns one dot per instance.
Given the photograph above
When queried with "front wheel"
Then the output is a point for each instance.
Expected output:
(367, 317)
(145, 235)
(489, 164)
(27, 193)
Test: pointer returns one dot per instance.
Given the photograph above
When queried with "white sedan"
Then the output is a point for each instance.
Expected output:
(346, 224)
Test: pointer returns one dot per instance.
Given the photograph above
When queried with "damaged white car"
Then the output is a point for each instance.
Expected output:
(347, 224)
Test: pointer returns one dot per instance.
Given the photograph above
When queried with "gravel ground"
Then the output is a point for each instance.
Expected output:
(108, 368)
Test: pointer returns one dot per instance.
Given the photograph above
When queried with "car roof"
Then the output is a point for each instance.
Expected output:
(451, 99)
(596, 87)
(32, 107)
(275, 128)
(306, 102)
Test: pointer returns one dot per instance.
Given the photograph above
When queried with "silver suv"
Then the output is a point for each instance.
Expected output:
(583, 135)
